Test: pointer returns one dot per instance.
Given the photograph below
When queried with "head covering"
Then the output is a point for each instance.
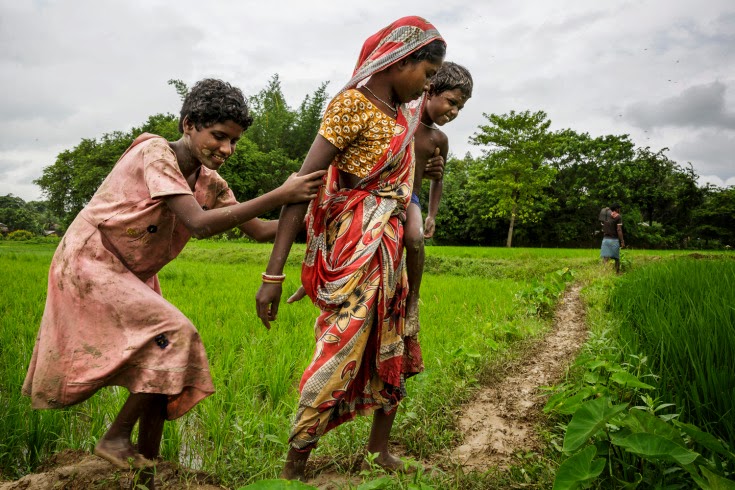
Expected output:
(392, 44)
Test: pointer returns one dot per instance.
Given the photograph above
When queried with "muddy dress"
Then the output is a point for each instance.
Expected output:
(105, 321)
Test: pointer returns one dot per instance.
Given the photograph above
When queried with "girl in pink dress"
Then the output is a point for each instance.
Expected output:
(105, 321)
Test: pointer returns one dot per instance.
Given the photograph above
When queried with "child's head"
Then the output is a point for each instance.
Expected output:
(450, 89)
(213, 101)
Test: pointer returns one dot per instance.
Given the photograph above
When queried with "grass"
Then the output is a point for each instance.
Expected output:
(471, 325)
(681, 314)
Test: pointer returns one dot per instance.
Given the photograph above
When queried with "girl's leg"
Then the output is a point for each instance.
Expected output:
(115, 446)
(413, 239)
(150, 430)
(378, 442)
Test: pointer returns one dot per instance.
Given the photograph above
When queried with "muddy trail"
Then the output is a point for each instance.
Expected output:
(496, 425)
(500, 420)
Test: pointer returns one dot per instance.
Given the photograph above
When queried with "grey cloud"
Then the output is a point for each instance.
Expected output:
(711, 151)
(697, 106)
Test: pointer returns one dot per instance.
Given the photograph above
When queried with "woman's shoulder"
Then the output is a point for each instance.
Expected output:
(351, 100)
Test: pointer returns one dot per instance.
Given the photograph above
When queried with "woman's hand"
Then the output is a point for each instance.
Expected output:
(435, 166)
(297, 296)
(301, 188)
(266, 302)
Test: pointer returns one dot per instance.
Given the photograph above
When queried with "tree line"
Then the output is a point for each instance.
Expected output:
(529, 187)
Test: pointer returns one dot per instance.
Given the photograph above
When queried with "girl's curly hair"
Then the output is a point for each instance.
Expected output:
(213, 101)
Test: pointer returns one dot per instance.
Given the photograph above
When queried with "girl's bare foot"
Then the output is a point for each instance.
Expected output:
(121, 454)
(389, 462)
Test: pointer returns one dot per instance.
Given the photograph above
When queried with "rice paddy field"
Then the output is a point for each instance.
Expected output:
(472, 325)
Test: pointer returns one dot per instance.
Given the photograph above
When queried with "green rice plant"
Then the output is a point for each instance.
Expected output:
(470, 328)
(682, 315)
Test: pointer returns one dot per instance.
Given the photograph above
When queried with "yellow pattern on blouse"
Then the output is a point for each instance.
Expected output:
(359, 130)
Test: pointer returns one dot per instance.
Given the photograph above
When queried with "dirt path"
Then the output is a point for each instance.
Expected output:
(499, 421)
(79, 470)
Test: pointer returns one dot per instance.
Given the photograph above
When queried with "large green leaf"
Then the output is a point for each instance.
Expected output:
(278, 485)
(640, 421)
(716, 481)
(588, 420)
(705, 439)
(652, 446)
(626, 379)
(578, 470)
(383, 483)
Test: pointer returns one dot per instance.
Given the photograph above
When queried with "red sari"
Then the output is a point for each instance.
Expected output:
(354, 270)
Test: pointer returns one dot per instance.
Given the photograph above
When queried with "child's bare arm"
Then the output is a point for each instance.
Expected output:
(320, 155)
(205, 223)
(260, 230)
(435, 192)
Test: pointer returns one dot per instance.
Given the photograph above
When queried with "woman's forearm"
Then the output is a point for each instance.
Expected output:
(290, 223)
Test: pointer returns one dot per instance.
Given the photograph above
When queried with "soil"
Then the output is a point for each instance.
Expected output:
(79, 470)
(496, 425)
(499, 423)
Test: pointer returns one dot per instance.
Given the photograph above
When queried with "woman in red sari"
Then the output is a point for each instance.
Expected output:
(354, 266)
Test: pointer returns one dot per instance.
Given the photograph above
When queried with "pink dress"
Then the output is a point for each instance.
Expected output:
(105, 321)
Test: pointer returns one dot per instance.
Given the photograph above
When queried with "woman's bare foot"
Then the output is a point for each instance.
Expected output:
(295, 467)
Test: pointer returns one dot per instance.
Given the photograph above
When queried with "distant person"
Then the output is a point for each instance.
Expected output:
(105, 321)
(449, 91)
(353, 268)
(612, 234)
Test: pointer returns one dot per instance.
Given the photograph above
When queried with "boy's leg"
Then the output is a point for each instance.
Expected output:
(115, 446)
(413, 239)
(379, 436)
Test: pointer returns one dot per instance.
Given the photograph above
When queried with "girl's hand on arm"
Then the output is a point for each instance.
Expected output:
(300, 188)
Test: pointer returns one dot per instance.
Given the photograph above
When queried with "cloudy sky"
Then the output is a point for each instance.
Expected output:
(662, 71)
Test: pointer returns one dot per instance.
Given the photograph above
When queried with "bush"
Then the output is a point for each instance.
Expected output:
(20, 235)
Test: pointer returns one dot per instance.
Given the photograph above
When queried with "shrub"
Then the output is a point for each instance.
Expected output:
(20, 235)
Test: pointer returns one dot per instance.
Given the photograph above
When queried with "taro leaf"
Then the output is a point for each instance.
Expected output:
(420, 486)
(640, 421)
(379, 484)
(278, 485)
(578, 470)
(563, 403)
(651, 446)
(705, 439)
(588, 420)
(626, 379)
(717, 482)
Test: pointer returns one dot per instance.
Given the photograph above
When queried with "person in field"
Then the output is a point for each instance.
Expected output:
(105, 322)
(449, 91)
(612, 234)
(354, 268)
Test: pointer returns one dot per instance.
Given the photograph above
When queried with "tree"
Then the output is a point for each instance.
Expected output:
(72, 180)
(513, 179)
(16, 214)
